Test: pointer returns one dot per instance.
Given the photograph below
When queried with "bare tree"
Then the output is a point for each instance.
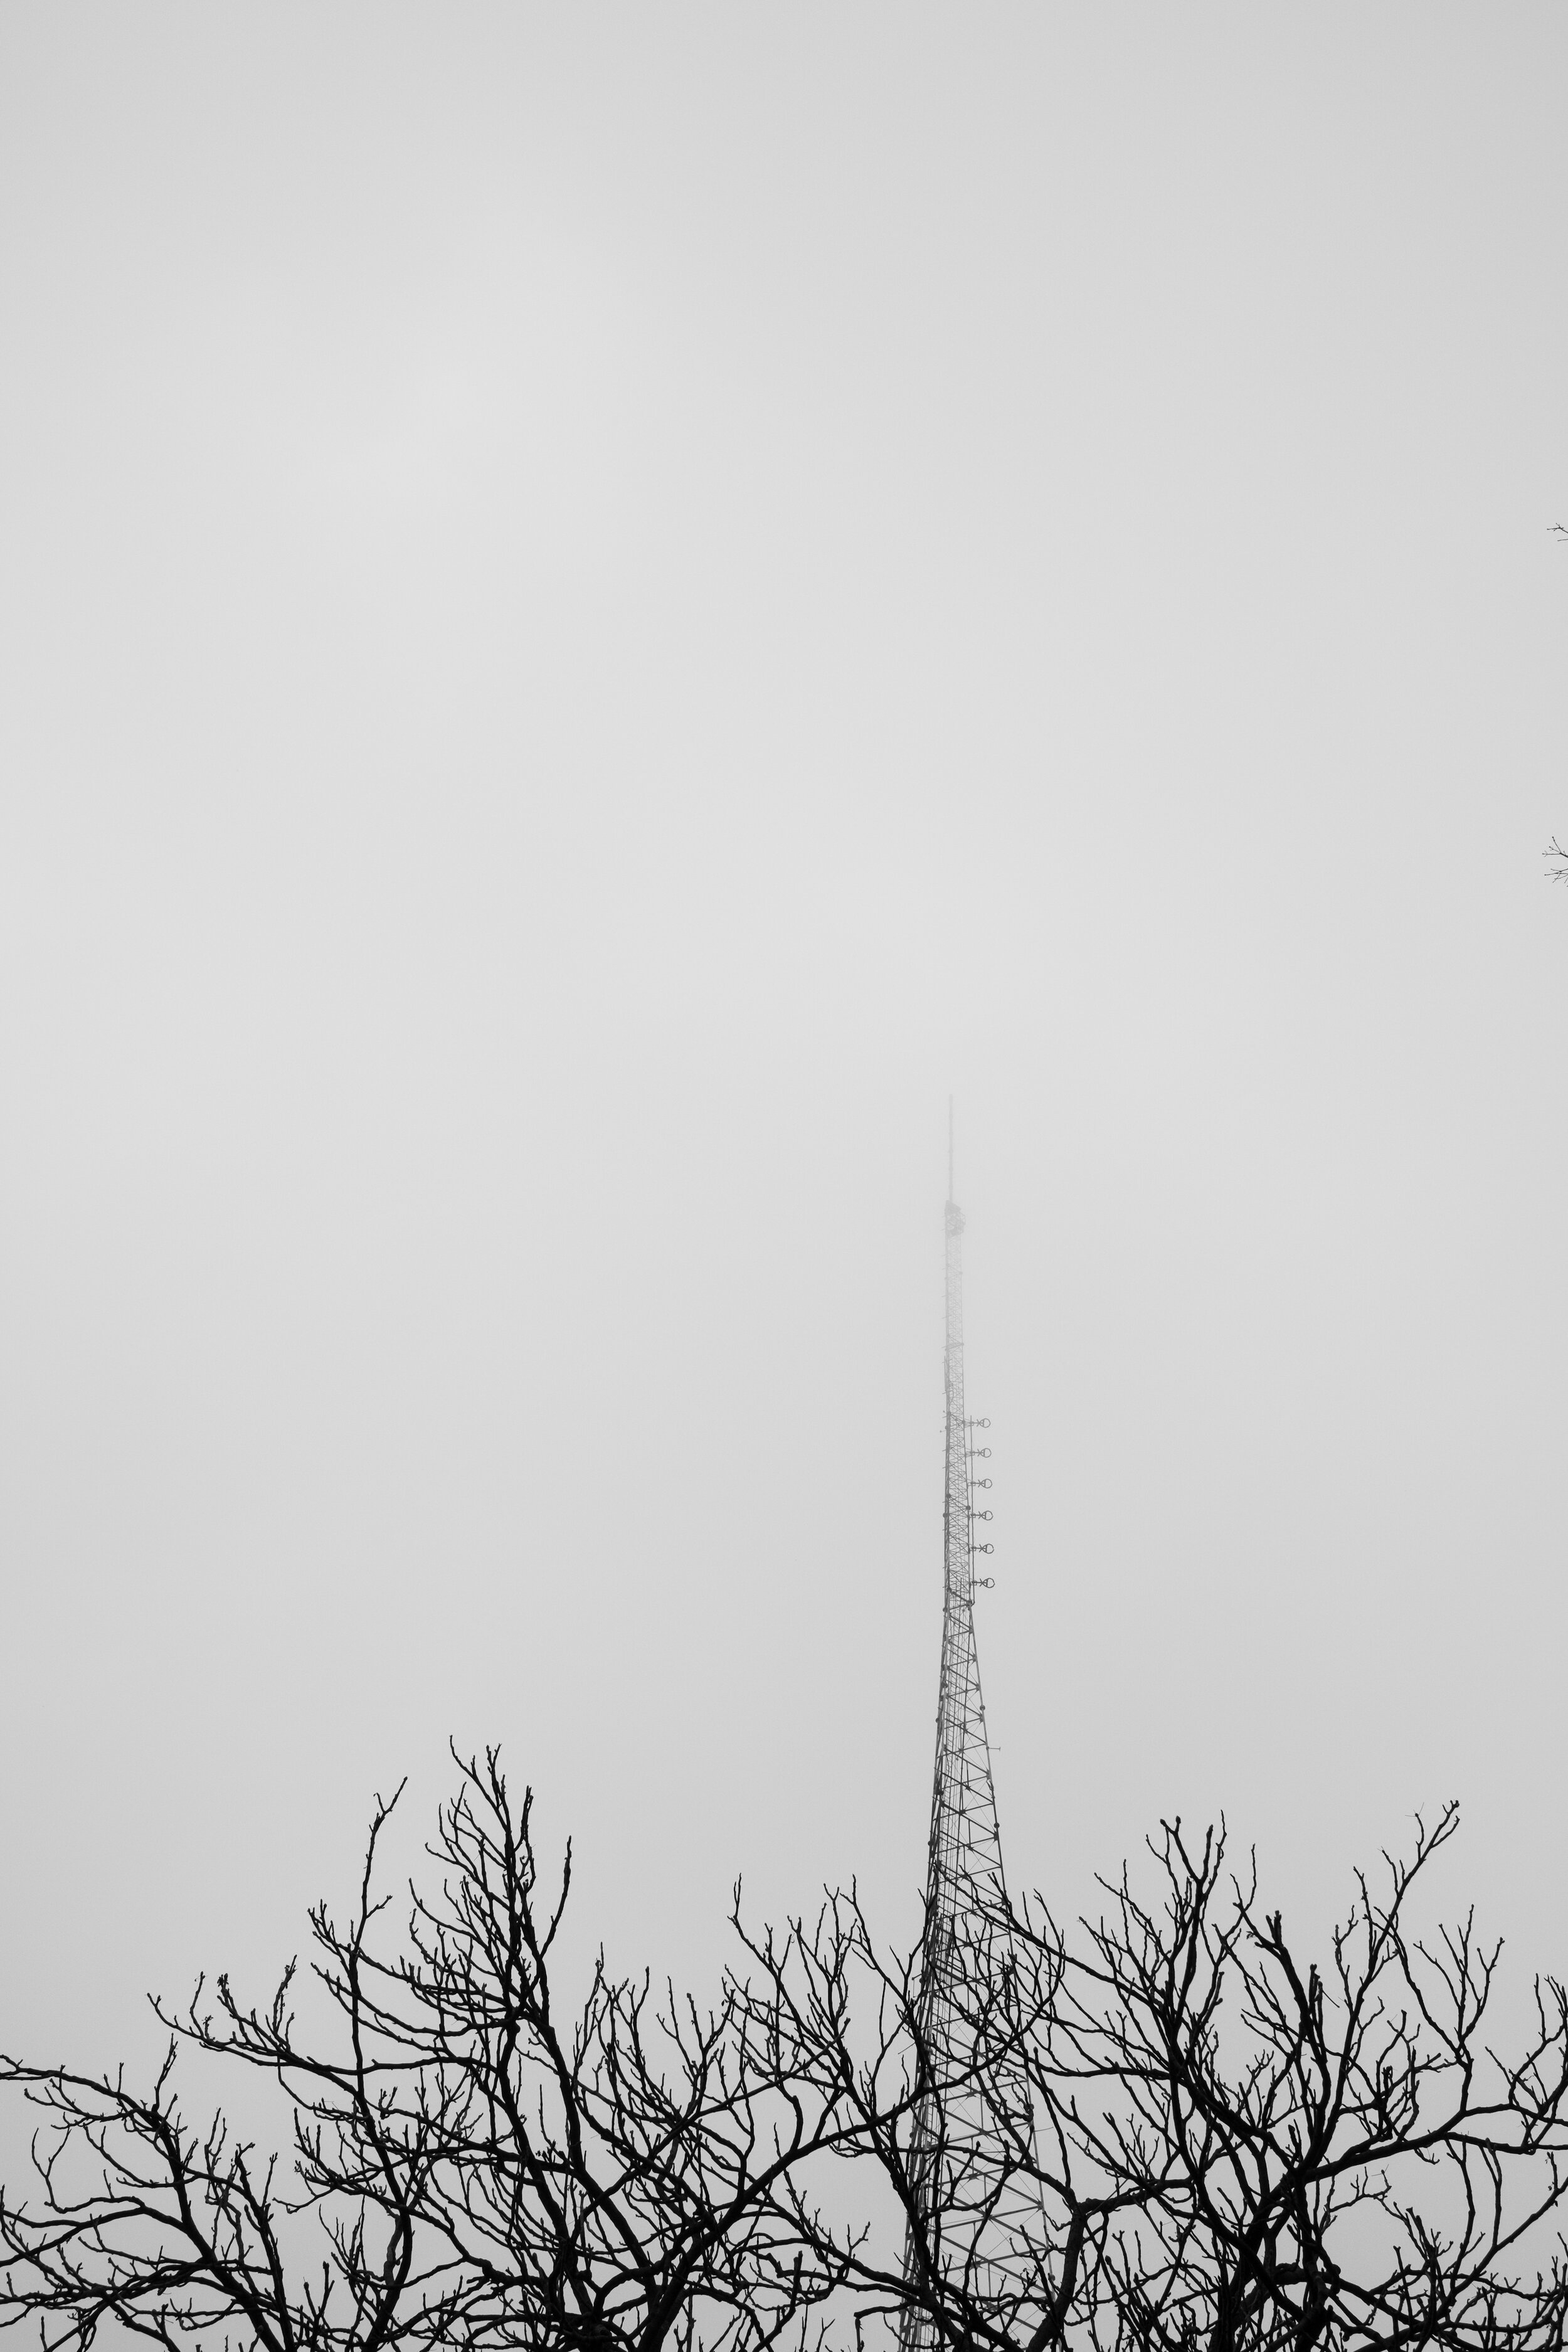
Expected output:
(1198, 2138)
(1169, 2132)
(466, 2165)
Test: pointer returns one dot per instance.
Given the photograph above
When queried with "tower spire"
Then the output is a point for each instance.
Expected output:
(959, 2199)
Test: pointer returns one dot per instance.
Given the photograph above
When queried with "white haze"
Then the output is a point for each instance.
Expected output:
(601, 605)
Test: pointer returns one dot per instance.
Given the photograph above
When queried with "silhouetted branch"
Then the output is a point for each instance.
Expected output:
(480, 2167)
(1179, 2133)
(1171, 2131)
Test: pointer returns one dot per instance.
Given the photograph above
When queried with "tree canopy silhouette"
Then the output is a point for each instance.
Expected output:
(1176, 2132)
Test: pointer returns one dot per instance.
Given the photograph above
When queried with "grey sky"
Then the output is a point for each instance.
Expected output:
(600, 605)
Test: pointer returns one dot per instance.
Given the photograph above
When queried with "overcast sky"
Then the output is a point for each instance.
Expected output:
(600, 607)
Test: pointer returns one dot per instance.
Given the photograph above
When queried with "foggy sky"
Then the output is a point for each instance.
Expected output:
(601, 606)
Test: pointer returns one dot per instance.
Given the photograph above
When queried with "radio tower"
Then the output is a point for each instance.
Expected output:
(962, 2199)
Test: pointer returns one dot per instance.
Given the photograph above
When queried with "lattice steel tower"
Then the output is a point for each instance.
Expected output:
(960, 2200)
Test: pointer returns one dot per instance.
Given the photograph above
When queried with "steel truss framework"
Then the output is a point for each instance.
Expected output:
(967, 2207)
